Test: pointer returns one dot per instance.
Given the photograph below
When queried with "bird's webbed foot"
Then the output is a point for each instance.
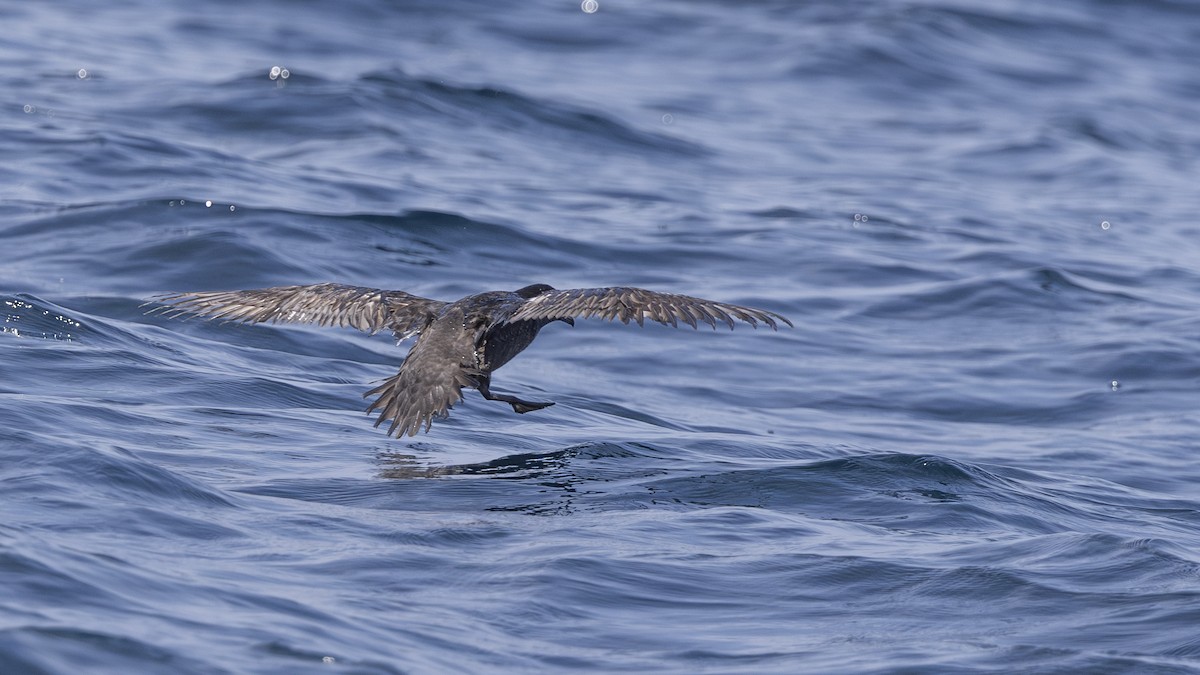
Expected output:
(518, 405)
(526, 406)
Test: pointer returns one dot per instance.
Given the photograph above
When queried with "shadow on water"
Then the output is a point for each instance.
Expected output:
(551, 483)
(524, 466)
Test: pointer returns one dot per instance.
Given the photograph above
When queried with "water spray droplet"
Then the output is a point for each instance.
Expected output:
(1104, 225)
(589, 6)
(82, 73)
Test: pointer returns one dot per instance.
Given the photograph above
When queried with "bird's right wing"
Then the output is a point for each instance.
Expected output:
(367, 309)
(627, 304)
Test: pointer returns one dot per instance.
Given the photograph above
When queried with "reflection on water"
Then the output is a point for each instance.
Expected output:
(528, 466)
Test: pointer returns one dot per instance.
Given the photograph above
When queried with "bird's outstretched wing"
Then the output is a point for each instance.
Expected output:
(367, 309)
(637, 304)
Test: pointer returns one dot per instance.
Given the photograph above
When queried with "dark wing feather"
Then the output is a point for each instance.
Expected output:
(637, 304)
(367, 309)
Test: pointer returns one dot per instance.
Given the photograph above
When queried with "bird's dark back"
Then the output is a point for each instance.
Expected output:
(483, 319)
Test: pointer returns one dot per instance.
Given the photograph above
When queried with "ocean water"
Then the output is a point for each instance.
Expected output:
(975, 452)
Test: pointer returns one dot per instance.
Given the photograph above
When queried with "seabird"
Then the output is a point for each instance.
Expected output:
(459, 343)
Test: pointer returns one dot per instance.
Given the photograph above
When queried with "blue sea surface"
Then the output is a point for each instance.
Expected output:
(976, 452)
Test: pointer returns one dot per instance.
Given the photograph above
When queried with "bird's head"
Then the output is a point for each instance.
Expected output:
(533, 290)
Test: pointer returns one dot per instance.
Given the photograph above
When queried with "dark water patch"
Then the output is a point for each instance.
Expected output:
(58, 649)
(1084, 563)
(1009, 296)
(28, 574)
(891, 491)
(117, 471)
(543, 120)
(602, 409)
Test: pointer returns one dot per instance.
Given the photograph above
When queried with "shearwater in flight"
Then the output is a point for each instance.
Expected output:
(459, 344)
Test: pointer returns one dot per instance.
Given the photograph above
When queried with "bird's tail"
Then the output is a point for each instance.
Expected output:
(419, 392)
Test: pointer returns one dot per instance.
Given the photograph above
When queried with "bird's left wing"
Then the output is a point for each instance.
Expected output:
(627, 304)
(367, 309)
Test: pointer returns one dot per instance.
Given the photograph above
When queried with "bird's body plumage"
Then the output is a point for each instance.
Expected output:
(459, 343)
